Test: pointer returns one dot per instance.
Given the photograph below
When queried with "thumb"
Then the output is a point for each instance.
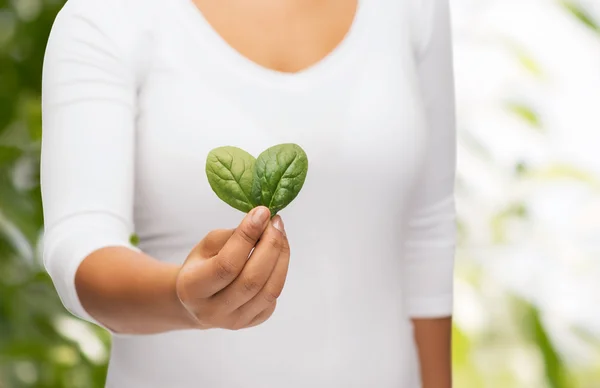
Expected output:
(207, 277)
(212, 243)
(247, 234)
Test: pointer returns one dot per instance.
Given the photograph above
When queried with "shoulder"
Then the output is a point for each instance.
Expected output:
(111, 10)
(115, 27)
(118, 20)
(424, 14)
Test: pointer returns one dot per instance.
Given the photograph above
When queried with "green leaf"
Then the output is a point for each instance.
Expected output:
(528, 62)
(581, 14)
(134, 240)
(556, 172)
(521, 168)
(9, 154)
(273, 180)
(526, 113)
(32, 111)
(499, 221)
(524, 57)
(464, 369)
(230, 172)
(555, 367)
(279, 175)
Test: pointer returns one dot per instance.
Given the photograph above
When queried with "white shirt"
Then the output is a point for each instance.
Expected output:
(137, 92)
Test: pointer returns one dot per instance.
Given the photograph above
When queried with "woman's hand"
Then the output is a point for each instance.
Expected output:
(232, 278)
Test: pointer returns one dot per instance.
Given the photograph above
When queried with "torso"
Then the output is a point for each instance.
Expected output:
(339, 81)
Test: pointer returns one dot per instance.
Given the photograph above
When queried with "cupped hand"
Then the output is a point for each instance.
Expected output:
(233, 278)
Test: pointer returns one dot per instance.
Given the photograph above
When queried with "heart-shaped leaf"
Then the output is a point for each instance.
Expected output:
(273, 180)
(279, 175)
(230, 172)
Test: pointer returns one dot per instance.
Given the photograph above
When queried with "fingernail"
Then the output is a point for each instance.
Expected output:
(278, 224)
(260, 215)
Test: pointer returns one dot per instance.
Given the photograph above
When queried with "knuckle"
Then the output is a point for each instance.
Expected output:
(196, 253)
(285, 246)
(268, 312)
(249, 233)
(271, 294)
(225, 269)
(236, 324)
(212, 235)
(272, 309)
(274, 242)
(252, 284)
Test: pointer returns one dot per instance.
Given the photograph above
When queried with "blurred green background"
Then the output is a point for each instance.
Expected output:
(527, 278)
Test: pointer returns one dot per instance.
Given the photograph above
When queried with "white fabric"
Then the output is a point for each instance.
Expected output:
(137, 92)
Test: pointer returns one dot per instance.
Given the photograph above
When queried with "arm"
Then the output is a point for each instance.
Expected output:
(430, 240)
(433, 339)
(87, 173)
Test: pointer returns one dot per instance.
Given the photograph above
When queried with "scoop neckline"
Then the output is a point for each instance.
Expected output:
(327, 66)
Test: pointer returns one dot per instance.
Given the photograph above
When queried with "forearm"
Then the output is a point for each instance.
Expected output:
(130, 292)
(434, 342)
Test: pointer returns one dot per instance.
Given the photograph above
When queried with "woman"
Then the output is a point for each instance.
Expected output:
(135, 95)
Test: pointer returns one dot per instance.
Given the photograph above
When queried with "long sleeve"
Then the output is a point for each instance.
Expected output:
(431, 228)
(87, 164)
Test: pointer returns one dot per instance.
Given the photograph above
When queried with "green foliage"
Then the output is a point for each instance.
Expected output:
(273, 180)
(35, 351)
(526, 113)
(581, 14)
(533, 330)
(134, 240)
(499, 221)
(464, 369)
(279, 175)
(525, 58)
(230, 171)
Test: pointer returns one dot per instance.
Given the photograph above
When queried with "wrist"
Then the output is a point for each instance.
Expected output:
(131, 293)
(185, 318)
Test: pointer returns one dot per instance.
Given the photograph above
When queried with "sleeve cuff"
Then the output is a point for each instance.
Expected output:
(66, 248)
(430, 307)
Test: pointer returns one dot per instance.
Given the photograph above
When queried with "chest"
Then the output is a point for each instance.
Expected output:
(358, 115)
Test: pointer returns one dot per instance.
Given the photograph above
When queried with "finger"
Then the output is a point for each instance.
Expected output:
(246, 235)
(257, 270)
(270, 292)
(211, 276)
(213, 242)
(262, 316)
